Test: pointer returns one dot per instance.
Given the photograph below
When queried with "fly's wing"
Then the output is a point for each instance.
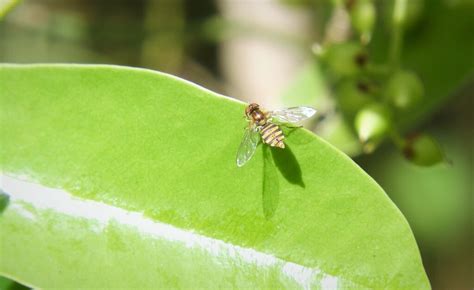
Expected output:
(248, 145)
(292, 115)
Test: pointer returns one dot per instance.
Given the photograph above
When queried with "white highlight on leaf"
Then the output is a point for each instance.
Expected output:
(44, 198)
(23, 211)
(329, 282)
(302, 274)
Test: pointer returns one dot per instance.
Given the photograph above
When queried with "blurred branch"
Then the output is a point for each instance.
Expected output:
(399, 14)
(163, 45)
(338, 28)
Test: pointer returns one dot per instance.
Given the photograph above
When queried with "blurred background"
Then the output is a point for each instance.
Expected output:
(393, 82)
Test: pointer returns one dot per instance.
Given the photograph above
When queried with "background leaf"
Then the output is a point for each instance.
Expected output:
(138, 187)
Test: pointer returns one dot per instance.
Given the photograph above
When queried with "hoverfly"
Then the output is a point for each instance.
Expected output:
(266, 125)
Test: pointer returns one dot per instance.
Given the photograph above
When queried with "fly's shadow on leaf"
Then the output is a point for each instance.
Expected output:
(270, 185)
(4, 201)
(286, 162)
(289, 167)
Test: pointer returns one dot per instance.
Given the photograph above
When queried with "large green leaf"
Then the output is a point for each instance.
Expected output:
(122, 177)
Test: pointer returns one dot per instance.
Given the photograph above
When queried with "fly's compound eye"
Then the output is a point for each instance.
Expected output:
(250, 108)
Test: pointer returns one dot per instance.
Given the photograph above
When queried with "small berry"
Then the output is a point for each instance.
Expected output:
(345, 59)
(373, 123)
(353, 96)
(363, 14)
(422, 150)
(404, 89)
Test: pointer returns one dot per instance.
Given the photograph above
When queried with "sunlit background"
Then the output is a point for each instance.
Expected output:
(339, 56)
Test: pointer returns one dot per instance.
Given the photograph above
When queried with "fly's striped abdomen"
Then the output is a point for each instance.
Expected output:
(272, 135)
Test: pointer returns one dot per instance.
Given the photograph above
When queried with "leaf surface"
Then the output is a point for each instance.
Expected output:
(121, 177)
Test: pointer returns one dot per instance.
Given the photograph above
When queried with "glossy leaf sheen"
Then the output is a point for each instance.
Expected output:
(133, 141)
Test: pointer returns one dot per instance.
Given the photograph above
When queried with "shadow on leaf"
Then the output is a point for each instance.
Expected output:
(289, 167)
(270, 185)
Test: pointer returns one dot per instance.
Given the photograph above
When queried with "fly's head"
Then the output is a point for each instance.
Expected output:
(250, 109)
(255, 115)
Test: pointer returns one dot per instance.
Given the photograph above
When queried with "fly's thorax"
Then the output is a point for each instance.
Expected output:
(258, 117)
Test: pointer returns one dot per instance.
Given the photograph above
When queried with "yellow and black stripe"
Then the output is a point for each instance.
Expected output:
(272, 135)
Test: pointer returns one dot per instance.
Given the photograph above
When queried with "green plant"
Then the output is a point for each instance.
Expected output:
(137, 186)
(410, 70)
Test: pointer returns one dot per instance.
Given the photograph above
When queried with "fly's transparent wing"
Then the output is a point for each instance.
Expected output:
(292, 115)
(248, 145)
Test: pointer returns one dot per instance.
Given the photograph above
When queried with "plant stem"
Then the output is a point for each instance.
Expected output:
(398, 19)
